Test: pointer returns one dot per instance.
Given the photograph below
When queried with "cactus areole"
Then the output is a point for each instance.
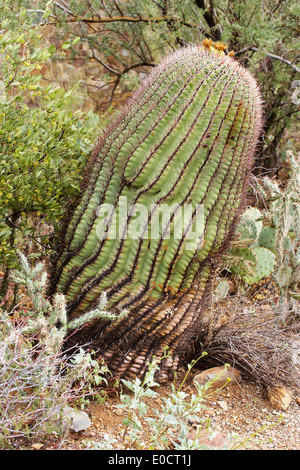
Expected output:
(159, 204)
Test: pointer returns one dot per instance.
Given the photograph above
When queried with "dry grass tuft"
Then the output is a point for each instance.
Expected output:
(262, 346)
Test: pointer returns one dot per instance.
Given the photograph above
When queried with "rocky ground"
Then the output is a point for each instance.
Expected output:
(238, 417)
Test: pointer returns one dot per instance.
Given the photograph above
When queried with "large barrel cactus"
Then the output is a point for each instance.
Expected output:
(159, 203)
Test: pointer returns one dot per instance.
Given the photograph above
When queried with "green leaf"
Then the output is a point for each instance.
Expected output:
(51, 49)
(75, 40)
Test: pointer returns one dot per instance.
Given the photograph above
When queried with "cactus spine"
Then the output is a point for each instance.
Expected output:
(187, 136)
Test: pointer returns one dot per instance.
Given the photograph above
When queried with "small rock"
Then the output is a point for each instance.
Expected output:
(218, 376)
(223, 405)
(280, 398)
(37, 446)
(77, 420)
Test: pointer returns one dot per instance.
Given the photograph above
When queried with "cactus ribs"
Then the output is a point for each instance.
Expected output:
(187, 136)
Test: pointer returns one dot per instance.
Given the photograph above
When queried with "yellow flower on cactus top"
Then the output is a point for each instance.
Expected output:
(216, 47)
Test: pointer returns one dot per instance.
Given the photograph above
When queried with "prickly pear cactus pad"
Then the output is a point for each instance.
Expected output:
(183, 144)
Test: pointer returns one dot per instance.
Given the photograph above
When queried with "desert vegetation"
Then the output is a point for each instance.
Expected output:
(153, 102)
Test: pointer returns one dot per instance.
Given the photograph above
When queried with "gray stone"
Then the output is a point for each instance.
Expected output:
(76, 420)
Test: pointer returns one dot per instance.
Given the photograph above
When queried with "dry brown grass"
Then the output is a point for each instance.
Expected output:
(258, 341)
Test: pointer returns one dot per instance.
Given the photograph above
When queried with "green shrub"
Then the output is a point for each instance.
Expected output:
(44, 141)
